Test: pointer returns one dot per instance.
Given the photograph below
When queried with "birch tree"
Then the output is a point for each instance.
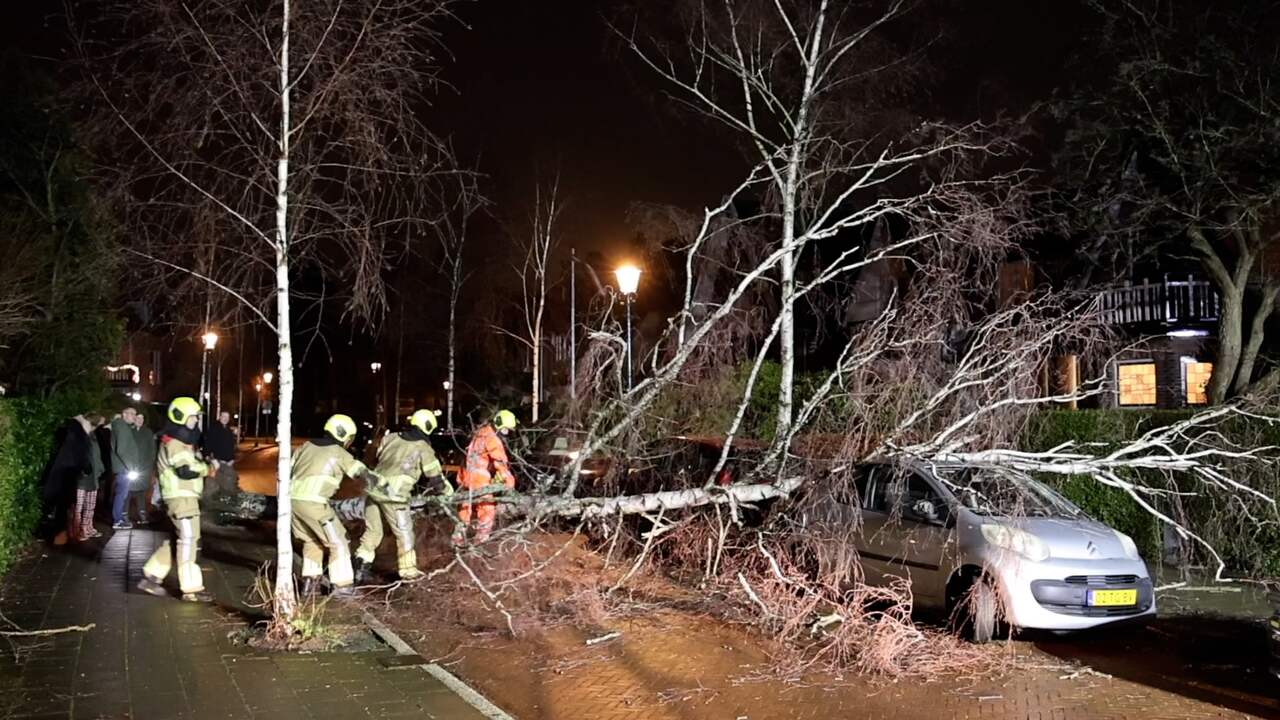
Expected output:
(460, 202)
(536, 250)
(284, 136)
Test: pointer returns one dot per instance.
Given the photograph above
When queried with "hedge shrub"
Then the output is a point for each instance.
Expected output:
(27, 427)
(1246, 546)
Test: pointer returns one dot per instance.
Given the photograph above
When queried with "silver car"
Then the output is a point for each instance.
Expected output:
(992, 545)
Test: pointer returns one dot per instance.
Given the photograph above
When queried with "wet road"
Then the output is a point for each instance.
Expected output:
(257, 468)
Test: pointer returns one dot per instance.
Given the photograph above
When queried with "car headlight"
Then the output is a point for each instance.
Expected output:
(1019, 541)
(1130, 548)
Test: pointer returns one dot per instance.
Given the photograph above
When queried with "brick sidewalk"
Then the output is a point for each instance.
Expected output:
(156, 658)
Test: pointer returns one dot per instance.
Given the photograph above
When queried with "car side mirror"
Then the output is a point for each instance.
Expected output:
(925, 510)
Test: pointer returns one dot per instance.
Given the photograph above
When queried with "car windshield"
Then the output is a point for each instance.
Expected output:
(1003, 493)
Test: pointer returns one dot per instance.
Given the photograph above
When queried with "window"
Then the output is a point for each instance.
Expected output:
(1137, 382)
(1196, 379)
(896, 490)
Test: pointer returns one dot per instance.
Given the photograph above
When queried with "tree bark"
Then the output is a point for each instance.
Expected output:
(284, 596)
(539, 507)
(1257, 333)
(1229, 344)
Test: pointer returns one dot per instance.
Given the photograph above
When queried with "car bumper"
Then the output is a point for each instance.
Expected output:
(1053, 595)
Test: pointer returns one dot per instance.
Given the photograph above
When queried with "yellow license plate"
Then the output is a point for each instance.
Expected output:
(1111, 598)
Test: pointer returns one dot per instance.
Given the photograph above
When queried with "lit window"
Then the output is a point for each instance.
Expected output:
(1198, 374)
(1137, 383)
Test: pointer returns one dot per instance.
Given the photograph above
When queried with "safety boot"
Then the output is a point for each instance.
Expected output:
(343, 591)
(152, 587)
(312, 587)
(199, 596)
(361, 569)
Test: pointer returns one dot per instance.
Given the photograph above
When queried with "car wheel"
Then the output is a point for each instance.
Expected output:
(984, 609)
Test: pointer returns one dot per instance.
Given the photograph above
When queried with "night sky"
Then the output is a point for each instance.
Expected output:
(536, 87)
(539, 87)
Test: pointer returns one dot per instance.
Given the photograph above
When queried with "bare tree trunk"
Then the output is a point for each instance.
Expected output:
(1257, 333)
(284, 597)
(537, 353)
(395, 406)
(453, 349)
(1227, 363)
(786, 337)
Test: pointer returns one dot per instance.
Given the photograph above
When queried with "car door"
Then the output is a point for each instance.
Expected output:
(909, 533)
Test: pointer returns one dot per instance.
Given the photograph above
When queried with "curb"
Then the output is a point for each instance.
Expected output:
(451, 681)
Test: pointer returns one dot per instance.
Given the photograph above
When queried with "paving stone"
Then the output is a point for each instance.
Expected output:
(151, 658)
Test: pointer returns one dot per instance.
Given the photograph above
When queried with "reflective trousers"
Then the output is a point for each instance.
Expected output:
(397, 517)
(185, 515)
(317, 526)
(486, 512)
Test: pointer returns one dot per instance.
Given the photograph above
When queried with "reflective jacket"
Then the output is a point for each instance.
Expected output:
(487, 459)
(318, 468)
(402, 458)
(181, 472)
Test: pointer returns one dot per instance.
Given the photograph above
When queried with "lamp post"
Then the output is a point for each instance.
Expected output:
(376, 367)
(210, 340)
(257, 418)
(628, 282)
(267, 377)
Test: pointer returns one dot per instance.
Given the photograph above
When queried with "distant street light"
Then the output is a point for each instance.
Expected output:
(375, 366)
(446, 385)
(210, 340)
(628, 283)
(267, 377)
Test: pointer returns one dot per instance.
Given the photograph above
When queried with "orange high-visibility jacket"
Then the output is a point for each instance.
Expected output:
(487, 459)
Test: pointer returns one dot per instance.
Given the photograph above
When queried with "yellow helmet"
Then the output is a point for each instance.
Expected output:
(182, 408)
(504, 420)
(341, 428)
(424, 420)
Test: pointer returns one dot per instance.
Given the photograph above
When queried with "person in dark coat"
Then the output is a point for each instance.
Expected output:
(72, 463)
(220, 444)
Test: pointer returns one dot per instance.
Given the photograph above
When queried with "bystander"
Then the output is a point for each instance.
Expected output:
(72, 462)
(126, 465)
(220, 444)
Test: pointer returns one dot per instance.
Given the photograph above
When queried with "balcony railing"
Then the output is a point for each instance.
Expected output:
(1169, 302)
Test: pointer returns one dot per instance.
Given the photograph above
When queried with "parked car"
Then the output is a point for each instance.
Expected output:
(667, 464)
(995, 545)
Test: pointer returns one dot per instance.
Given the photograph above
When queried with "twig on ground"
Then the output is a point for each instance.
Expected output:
(603, 638)
(50, 631)
(488, 593)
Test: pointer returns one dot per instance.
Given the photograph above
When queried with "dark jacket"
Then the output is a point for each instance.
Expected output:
(71, 461)
(220, 442)
(124, 448)
(146, 451)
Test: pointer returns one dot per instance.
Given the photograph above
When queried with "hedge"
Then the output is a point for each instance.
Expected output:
(1248, 548)
(27, 427)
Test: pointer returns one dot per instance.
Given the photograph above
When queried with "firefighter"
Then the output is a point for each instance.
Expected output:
(486, 464)
(318, 468)
(182, 476)
(402, 458)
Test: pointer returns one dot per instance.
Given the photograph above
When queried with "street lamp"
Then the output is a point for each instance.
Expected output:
(628, 283)
(376, 367)
(267, 377)
(210, 340)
